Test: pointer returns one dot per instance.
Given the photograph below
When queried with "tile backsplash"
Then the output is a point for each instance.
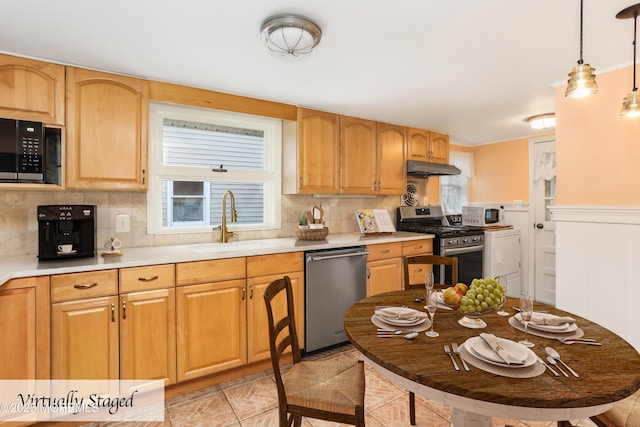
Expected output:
(19, 227)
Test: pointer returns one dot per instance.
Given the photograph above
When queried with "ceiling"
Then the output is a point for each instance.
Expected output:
(472, 69)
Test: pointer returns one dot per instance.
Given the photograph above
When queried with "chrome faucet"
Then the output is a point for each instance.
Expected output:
(223, 227)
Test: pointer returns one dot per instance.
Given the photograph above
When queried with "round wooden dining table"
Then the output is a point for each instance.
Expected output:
(607, 373)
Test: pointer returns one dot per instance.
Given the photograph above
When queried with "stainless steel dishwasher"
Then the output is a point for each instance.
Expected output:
(334, 280)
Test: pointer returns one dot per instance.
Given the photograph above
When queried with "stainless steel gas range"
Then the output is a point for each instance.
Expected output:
(465, 243)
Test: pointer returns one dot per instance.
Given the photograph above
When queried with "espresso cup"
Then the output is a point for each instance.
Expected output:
(116, 244)
(65, 248)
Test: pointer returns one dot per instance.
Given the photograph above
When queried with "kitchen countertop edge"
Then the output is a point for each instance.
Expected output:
(29, 265)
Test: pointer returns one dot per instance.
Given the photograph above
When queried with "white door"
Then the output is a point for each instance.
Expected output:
(543, 197)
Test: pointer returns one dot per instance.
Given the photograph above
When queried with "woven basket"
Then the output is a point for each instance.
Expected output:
(312, 234)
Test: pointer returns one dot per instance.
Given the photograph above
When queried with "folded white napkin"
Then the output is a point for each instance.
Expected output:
(493, 342)
(407, 314)
(551, 321)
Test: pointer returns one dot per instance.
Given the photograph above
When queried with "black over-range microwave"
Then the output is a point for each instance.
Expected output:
(29, 152)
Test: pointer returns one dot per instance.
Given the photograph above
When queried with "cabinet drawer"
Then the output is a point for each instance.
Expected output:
(417, 272)
(65, 287)
(383, 251)
(189, 273)
(264, 265)
(147, 278)
(417, 247)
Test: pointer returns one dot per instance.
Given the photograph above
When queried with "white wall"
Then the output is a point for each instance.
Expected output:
(598, 266)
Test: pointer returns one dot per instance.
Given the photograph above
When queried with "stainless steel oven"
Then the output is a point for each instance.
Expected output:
(465, 243)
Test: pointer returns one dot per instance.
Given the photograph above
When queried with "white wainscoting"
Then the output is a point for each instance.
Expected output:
(598, 266)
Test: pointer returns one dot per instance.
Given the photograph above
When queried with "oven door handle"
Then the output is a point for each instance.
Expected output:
(458, 251)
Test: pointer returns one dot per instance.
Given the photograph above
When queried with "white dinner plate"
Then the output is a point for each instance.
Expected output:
(401, 322)
(480, 349)
(565, 327)
(397, 312)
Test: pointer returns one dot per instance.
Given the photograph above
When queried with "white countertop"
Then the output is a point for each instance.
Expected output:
(29, 265)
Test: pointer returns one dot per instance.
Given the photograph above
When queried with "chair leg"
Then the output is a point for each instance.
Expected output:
(297, 420)
(564, 424)
(412, 408)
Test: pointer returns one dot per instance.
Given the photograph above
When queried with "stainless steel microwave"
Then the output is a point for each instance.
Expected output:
(29, 152)
(480, 216)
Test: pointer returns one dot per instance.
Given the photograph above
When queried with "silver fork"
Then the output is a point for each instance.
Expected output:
(456, 350)
(446, 350)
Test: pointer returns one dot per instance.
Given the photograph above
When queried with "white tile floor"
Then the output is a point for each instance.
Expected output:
(252, 401)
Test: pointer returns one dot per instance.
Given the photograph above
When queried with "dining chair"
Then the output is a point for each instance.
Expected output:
(331, 390)
(415, 268)
(625, 413)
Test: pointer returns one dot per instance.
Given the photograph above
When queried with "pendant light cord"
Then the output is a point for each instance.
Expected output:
(580, 61)
(635, 27)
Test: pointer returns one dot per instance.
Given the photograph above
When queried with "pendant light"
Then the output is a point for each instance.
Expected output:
(630, 107)
(582, 78)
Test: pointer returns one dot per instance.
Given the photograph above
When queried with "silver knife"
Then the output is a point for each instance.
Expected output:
(548, 367)
(456, 350)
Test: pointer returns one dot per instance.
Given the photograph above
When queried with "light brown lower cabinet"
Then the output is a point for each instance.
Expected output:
(211, 327)
(126, 336)
(384, 268)
(148, 335)
(24, 329)
(257, 324)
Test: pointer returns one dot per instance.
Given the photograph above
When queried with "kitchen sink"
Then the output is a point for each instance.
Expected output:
(207, 248)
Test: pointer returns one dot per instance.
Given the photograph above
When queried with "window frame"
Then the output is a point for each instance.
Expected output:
(271, 177)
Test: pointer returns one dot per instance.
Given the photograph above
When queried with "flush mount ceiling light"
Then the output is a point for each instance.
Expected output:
(582, 78)
(542, 121)
(290, 34)
(630, 107)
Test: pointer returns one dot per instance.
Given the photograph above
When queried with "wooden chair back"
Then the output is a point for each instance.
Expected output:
(417, 266)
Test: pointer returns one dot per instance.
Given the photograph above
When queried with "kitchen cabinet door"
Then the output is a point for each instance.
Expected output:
(418, 145)
(417, 271)
(148, 336)
(84, 337)
(391, 164)
(318, 146)
(257, 322)
(384, 276)
(358, 155)
(211, 321)
(107, 118)
(438, 148)
(32, 90)
(24, 331)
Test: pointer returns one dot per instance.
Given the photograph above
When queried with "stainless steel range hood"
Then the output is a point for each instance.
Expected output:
(427, 169)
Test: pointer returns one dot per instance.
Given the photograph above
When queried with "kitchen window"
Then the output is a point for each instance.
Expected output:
(454, 188)
(197, 154)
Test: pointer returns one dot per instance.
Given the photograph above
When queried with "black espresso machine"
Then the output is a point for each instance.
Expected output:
(66, 231)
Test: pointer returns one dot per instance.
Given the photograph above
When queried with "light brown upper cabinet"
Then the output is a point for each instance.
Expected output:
(107, 119)
(427, 146)
(439, 147)
(318, 152)
(358, 154)
(31, 90)
(392, 175)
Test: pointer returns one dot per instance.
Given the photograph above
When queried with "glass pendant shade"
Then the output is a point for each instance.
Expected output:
(582, 78)
(630, 105)
(582, 81)
(290, 35)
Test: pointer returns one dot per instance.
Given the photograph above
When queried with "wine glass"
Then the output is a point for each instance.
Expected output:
(432, 305)
(428, 282)
(502, 280)
(526, 312)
